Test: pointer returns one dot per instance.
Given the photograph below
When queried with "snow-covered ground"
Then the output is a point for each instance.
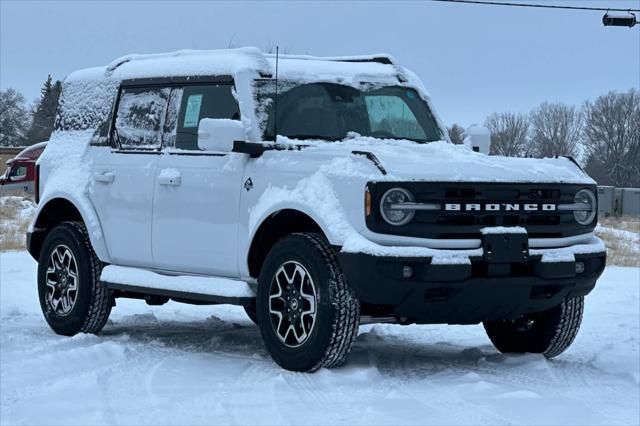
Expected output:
(181, 364)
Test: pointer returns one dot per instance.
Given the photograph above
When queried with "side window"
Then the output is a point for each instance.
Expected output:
(18, 173)
(140, 117)
(170, 126)
(391, 115)
(198, 102)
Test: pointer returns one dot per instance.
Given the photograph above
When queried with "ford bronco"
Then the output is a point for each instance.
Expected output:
(318, 193)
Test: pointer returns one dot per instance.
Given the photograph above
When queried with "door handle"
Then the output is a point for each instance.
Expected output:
(104, 177)
(169, 177)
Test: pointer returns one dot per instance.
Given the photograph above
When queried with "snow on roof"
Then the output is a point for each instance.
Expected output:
(189, 62)
(88, 94)
(247, 59)
(340, 69)
(31, 152)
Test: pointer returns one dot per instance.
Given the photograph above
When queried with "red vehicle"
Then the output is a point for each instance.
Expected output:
(21, 170)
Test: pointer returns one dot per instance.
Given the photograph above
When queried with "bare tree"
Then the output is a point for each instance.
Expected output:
(270, 48)
(556, 129)
(612, 138)
(14, 118)
(456, 133)
(509, 134)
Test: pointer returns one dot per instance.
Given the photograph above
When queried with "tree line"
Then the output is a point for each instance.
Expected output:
(602, 135)
(21, 124)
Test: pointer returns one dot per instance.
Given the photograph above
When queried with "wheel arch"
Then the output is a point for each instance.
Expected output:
(272, 228)
(57, 209)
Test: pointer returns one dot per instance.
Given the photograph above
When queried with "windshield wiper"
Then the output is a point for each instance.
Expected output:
(312, 137)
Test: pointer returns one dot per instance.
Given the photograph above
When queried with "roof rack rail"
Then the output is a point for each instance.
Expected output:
(378, 59)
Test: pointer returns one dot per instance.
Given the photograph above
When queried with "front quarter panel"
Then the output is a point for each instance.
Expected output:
(327, 188)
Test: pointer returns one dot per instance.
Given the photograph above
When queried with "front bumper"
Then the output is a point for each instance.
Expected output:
(466, 293)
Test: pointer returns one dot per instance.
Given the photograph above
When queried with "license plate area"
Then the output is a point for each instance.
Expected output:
(505, 248)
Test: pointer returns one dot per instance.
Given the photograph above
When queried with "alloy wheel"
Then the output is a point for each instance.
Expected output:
(292, 304)
(62, 280)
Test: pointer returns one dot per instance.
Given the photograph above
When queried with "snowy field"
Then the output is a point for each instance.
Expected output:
(181, 364)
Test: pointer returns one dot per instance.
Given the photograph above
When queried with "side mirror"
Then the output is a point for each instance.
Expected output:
(218, 134)
(478, 138)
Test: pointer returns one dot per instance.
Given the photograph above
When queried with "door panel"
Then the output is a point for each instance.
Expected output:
(122, 191)
(195, 214)
(197, 193)
(124, 175)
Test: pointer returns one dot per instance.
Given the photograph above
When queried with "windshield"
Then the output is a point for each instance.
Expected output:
(330, 111)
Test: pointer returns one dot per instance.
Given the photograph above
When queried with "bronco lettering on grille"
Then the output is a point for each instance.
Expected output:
(494, 207)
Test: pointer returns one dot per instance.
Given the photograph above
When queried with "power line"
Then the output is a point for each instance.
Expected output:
(540, 6)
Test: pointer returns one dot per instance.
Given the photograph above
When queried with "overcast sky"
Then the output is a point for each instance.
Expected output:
(473, 59)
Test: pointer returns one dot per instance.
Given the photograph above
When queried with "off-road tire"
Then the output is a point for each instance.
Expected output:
(93, 301)
(550, 334)
(338, 308)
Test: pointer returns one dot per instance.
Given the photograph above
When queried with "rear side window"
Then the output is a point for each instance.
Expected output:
(140, 119)
(203, 101)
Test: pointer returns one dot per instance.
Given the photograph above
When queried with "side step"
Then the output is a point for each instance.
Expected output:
(196, 288)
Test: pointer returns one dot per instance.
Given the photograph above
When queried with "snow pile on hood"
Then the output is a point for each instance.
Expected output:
(445, 162)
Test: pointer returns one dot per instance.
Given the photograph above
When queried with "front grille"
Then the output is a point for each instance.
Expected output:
(467, 224)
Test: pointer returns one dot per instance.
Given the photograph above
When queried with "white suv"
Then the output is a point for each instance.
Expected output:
(318, 193)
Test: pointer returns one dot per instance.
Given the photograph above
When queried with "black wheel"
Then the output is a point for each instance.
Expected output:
(549, 333)
(71, 297)
(308, 314)
(251, 312)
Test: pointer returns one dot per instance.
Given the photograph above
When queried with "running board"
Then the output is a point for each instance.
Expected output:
(179, 287)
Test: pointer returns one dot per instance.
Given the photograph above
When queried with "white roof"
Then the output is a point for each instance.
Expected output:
(247, 60)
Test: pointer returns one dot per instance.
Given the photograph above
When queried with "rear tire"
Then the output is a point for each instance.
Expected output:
(307, 313)
(71, 296)
(549, 333)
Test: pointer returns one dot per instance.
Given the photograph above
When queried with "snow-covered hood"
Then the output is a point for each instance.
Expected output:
(446, 162)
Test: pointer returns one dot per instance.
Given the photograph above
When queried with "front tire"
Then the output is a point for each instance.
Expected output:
(307, 313)
(549, 333)
(71, 296)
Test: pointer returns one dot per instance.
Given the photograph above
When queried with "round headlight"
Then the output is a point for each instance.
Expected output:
(586, 209)
(389, 206)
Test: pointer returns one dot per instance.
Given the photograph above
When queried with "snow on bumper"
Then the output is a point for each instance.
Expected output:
(358, 244)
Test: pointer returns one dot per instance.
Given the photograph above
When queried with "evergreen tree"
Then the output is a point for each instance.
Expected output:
(45, 112)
